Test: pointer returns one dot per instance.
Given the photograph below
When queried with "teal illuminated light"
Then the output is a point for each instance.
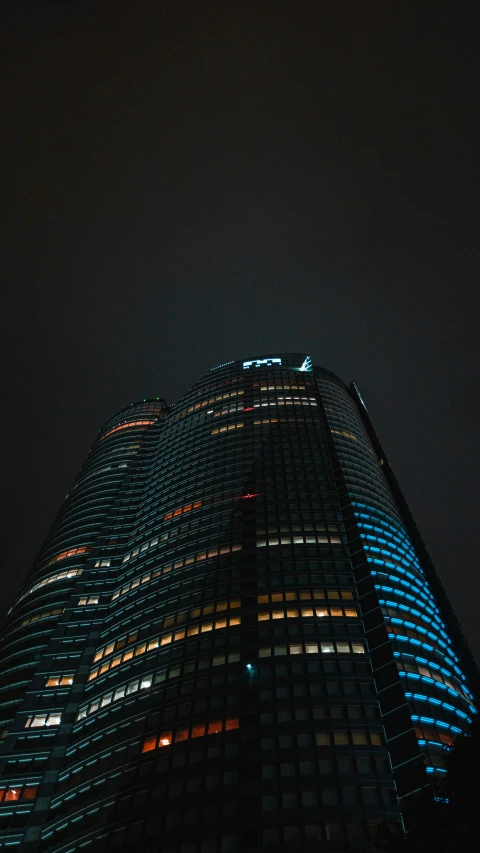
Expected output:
(307, 364)
(259, 362)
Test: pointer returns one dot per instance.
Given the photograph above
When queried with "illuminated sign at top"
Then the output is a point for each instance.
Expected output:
(261, 362)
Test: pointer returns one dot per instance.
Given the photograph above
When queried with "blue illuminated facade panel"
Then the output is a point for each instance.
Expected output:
(229, 636)
(398, 603)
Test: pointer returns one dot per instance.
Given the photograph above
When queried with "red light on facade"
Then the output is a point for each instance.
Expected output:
(253, 495)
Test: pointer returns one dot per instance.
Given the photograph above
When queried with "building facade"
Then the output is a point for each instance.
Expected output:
(233, 637)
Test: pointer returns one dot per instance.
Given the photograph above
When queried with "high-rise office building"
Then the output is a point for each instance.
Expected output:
(233, 637)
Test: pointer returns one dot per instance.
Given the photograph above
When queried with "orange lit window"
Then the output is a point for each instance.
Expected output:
(165, 739)
(149, 744)
(30, 792)
(214, 728)
(232, 723)
(198, 731)
(182, 734)
(181, 509)
(83, 549)
(12, 794)
(52, 682)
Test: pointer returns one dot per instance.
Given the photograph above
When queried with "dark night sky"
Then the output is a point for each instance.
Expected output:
(190, 182)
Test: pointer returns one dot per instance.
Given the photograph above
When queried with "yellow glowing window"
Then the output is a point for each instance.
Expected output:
(166, 640)
(277, 596)
(165, 739)
(350, 612)
(208, 609)
(109, 649)
(277, 614)
(305, 595)
(116, 661)
(140, 650)
(234, 602)
(332, 594)
(307, 611)
(153, 645)
(263, 599)
(179, 635)
(318, 595)
(347, 595)
(104, 667)
(127, 655)
(221, 623)
(336, 611)
(222, 605)
(290, 596)
(262, 617)
(234, 620)
(207, 626)
(194, 614)
(93, 675)
(292, 614)
(98, 656)
(321, 611)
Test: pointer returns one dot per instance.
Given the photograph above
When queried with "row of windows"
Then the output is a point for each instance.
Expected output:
(114, 647)
(185, 561)
(398, 628)
(55, 611)
(180, 510)
(197, 730)
(325, 738)
(59, 680)
(306, 595)
(206, 403)
(294, 613)
(71, 552)
(233, 407)
(66, 575)
(41, 720)
(146, 681)
(108, 467)
(418, 700)
(300, 540)
(286, 385)
(227, 428)
(91, 599)
(18, 792)
(169, 622)
(424, 674)
(128, 425)
(320, 712)
(329, 797)
(165, 640)
(318, 527)
(392, 608)
(312, 648)
(284, 401)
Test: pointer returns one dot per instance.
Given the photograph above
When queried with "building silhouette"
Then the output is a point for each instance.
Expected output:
(233, 637)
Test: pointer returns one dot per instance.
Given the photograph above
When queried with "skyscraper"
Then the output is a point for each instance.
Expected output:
(233, 637)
